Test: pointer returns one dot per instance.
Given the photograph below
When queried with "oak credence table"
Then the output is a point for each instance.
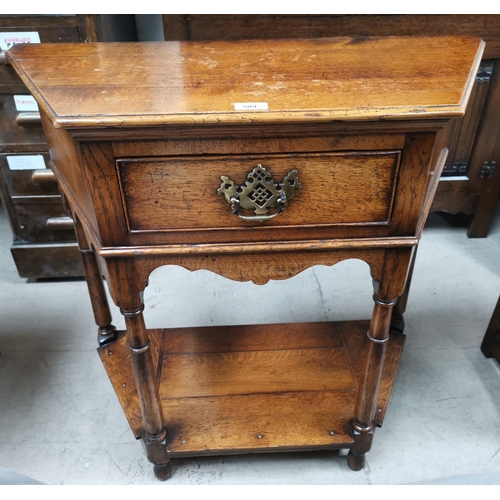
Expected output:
(254, 160)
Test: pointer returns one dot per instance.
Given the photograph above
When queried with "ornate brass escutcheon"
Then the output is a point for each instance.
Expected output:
(259, 192)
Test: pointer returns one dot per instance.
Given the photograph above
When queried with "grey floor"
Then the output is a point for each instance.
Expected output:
(61, 422)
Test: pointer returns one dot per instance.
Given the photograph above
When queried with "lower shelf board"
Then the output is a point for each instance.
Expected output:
(254, 388)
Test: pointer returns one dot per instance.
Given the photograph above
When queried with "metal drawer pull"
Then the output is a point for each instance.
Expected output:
(259, 192)
(28, 118)
(60, 223)
(43, 176)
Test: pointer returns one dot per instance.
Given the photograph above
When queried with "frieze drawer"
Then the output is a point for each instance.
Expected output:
(171, 194)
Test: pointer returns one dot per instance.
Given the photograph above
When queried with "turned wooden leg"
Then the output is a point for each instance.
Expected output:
(155, 433)
(106, 332)
(397, 320)
(387, 291)
(126, 288)
(163, 471)
(362, 425)
(490, 346)
(356, 462)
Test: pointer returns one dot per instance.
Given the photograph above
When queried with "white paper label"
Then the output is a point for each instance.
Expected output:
(250, 106)
(7, 40)
(25, 103)
(26, 162)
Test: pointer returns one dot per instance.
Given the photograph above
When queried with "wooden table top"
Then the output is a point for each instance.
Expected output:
(320, 80)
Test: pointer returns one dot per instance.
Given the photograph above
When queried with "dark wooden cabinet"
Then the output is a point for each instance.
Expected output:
(41, 248)
(44, 243)
(470, 183)
(491, 341)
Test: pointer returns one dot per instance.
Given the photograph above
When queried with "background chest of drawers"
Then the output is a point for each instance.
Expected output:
(44, 243)
(470, 184)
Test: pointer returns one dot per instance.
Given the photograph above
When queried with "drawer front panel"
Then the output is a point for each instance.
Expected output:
(16, 135)
(171, 194)
(20, 182)
(42, 220)
(54, 260)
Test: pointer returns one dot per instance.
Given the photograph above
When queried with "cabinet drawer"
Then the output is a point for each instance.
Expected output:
(47, 260)
(42, 219)
(169, 194)
(14, 132)
(20, 182)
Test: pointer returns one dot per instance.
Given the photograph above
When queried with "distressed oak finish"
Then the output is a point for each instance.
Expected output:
(208, 363)
(184, 84)
(337, 189)
(140, 136)
(473, 141)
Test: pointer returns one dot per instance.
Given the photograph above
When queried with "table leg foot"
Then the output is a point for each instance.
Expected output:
(163, 471)
(106, 335)
(356, 462)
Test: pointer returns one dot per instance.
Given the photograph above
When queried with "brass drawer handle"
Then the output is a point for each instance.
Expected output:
(60, 223)
(43, 176)
(259, 192)
(28, 118)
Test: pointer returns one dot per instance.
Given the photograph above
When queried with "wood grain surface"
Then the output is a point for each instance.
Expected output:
(181, 193)
(245, 338)
(231, 422)
(258, 422)
(250, 372)
(301, 80)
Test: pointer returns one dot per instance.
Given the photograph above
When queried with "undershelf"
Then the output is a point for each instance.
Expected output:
(242, 389)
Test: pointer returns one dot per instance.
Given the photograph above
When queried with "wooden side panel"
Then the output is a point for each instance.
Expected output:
(413, 175)
(454, 196)
(65, 162)
(463, 130)
(487, 150)
(117, 359)
(99, 170)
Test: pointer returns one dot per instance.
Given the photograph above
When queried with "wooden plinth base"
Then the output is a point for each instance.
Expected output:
(259, 388)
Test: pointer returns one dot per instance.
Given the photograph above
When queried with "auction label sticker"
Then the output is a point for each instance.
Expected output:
(7, 40)
(251, 106)
(25, 103)
(26, 162)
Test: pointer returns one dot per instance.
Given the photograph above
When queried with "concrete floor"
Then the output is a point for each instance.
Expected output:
(62, 424)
